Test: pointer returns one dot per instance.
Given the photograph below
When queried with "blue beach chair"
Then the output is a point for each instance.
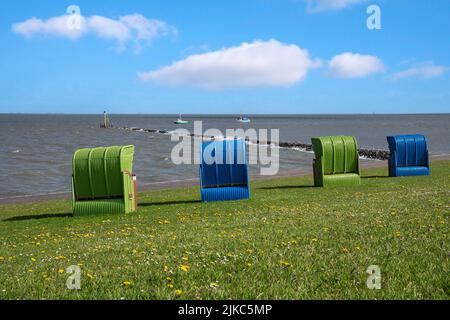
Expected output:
(408, 155)
(224, 171)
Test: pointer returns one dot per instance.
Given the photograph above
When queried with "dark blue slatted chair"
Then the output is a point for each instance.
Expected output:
(224, 171)
(408, 155)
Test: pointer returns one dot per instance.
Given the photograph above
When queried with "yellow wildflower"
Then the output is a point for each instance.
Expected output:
(169, 282)
(285, 264)
(184, 267)
(126, 283)
(178, 292)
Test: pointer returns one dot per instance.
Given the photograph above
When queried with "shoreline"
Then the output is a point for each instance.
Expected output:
(174, 184)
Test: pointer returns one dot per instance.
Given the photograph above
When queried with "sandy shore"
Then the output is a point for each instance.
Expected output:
(365, 164)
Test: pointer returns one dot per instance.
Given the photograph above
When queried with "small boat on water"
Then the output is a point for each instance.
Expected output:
(243, 119)
(180, 120)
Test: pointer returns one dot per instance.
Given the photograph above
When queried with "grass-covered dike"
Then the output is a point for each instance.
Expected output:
(290, 241)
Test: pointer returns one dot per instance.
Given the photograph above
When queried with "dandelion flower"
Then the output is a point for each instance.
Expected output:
(178, 292)
(284, 264)
(126, 283)
(184, 267)
(214, 285)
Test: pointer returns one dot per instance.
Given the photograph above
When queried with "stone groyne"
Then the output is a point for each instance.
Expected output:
(376, 154)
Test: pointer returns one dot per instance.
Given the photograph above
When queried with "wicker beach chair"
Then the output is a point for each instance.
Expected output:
(102, 181)
(336, 162)
(223, 171)
(408, 155)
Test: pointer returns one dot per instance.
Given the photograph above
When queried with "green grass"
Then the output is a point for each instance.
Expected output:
(290, 241)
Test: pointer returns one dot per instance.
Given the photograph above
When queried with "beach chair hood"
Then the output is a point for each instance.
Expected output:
(223, 171)
(408, 155)
(102, 178)
(337, 160)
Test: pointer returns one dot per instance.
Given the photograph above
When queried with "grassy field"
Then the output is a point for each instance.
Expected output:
(290, 241)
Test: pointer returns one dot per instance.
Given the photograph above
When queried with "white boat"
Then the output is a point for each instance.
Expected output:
(180, 120)
(243, 119)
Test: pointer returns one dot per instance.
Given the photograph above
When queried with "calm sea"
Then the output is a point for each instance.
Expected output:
(36, 150)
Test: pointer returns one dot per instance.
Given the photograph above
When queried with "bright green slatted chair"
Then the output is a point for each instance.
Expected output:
(102, 181)
(336, 162)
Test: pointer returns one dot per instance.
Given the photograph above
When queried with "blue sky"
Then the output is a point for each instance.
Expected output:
(233, 56)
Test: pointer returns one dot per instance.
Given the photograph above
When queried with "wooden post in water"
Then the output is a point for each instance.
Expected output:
(106, 123)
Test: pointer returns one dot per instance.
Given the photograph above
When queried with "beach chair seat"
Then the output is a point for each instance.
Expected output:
(225, 193)
(105, 206)
(223, 171)
(341, 179)
(408, 155)
(336, 161)
(102, 181)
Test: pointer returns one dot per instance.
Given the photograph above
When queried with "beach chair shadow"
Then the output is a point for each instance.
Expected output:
(39, 216)
(374, 176)
(286, 187)
(148, 204)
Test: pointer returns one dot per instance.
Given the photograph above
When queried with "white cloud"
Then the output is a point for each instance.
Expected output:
(133, 27)
(328, 5)
(55, 26)
(354, 65)
(109, 28)
(147, 29)
(425, 71)
(260, 63)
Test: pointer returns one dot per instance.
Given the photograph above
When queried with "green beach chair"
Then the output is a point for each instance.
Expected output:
(336, 162)
(102, 181)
